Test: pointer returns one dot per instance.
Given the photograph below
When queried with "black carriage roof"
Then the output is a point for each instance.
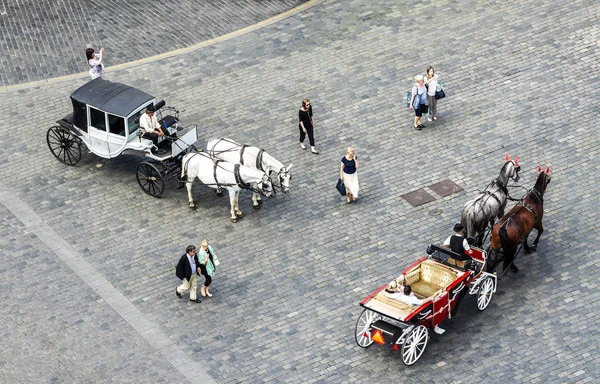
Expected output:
(114, 98)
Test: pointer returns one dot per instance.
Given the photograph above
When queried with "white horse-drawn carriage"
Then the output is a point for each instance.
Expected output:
(105, 119)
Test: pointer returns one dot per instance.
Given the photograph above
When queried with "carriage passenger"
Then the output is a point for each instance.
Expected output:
(404, 295)
(149, 124)
(457, 243)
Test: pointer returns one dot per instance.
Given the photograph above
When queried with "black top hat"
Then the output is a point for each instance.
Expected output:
(150, 108)
(458, 227)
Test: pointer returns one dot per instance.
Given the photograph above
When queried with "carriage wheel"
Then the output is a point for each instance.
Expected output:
(486, 290)
(64, 145)
(150, 179)
(362, 334)
(414, 345)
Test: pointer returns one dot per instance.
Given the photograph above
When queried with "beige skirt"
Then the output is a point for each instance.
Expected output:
(351, 183)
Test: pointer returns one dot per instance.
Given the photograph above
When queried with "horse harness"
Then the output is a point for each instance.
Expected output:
(502, 187)
(236, 173)
(528, 207)
(259, 157)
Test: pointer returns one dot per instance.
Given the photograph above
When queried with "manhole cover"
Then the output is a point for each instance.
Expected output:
(436, 212)
(445, 188)
(418, 197)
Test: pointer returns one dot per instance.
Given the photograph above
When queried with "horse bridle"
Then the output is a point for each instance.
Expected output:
(280, 175)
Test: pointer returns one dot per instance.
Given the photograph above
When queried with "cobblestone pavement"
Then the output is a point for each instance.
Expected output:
(41, 39)
(521, 79)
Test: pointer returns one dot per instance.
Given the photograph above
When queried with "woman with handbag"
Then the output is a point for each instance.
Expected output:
(349, 175)
(418, 101)
(208, 262)
(431, 80)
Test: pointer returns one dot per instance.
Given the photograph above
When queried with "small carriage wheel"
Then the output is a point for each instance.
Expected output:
(150, 179)
(64, 145)
(486, 290)
(414, 345)
(363, 326)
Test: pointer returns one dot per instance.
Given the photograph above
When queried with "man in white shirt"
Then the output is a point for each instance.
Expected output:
(457, 243)
(149, 124)
(407, 296)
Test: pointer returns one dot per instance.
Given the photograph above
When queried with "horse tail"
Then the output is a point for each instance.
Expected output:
(504, 242)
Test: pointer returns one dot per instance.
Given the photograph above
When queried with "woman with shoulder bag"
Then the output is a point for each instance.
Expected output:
(349, 174)
(431, 80)
(418, 101)
(208, 262)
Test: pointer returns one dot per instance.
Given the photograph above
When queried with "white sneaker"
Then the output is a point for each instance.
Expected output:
(302, 146)
(313, 150)
(438, 330)
(429, 119)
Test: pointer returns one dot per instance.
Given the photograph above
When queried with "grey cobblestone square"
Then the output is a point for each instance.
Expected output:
(286, 294)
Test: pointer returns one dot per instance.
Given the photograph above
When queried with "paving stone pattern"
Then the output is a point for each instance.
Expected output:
(286, 294)
(41, 39)
(55, 329)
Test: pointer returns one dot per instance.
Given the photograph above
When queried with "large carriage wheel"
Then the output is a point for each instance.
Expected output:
(64, 145)
(486, 290)
(414, 345)
(150, 179)
(362, 333)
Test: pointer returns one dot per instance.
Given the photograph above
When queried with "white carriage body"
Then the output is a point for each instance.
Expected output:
(106, 119)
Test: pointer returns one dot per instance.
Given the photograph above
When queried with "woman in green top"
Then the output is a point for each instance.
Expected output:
(208, 262)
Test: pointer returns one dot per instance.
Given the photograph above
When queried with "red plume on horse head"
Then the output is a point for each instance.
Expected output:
(516, 160)
(547, 170)
(539, 168)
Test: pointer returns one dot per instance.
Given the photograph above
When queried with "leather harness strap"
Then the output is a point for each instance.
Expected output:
(238, 178)
(242, 153)
(216, 163)
(530, 209)
(259, 159)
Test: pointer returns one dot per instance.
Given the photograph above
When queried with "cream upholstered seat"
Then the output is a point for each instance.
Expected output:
(429, 277)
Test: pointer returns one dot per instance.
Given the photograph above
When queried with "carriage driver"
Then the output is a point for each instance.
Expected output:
(149, 123)
(457, 243)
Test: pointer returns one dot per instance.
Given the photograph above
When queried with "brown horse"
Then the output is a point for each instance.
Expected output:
(513, 228)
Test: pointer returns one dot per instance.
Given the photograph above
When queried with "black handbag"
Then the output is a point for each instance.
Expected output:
(439, 92)
(341, 187)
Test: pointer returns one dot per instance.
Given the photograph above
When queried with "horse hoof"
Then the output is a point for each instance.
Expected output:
(193, 207)
(257, 206)
(239, 214)
(234, 220)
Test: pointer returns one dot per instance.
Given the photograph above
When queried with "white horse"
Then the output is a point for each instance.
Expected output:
(253, 157)
(222, 174)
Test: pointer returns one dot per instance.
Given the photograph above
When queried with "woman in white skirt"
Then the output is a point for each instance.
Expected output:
(349, 174)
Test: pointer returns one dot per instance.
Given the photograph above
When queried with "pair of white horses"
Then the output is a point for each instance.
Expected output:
(227, 164)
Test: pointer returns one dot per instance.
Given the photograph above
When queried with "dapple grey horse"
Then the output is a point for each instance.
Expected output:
(480, 213)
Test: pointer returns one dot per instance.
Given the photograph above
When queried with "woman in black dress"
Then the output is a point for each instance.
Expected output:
(306, 124)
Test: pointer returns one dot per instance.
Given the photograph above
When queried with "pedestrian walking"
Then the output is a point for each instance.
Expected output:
(418, 101)
(349, 174)
(95, 62)
(208, 262)
(306, 123)
(188, 268)
(431, 81)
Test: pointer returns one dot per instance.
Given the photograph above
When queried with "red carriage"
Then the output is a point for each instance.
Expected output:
(440, 281)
